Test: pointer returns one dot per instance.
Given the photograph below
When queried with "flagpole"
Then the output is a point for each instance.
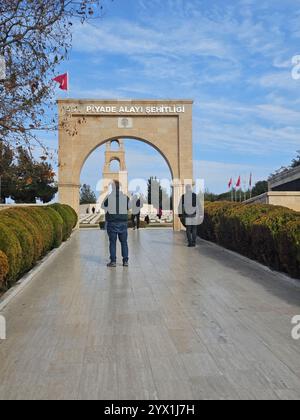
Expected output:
(68, 92)
(245, 189)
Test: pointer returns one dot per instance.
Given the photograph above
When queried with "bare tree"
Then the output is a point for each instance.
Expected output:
(35, 36)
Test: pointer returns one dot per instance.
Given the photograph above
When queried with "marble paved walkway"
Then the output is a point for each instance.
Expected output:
(178, 324)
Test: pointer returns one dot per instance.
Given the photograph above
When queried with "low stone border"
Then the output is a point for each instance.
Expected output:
(278, 274)
(29, 277)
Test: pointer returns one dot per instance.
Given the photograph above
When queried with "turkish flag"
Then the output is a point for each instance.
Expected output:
(238, 184)
(230, 183)
(63, 81)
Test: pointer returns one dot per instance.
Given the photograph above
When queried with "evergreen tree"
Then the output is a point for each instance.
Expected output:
(296, 161)
(32, 180)
(6, 167)
(87, 196)
(260, 187)
(158, 196)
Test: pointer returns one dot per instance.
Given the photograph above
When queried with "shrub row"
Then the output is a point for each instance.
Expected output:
(29, 233)
(268, 234)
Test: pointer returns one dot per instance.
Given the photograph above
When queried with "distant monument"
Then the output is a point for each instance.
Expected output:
(108, 176)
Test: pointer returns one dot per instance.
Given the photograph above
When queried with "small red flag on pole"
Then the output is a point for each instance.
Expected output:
(230, 183)
(238, 184)
(63, 81)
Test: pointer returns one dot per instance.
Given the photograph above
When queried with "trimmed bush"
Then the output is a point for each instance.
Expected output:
(209, 230)
(45, 226)
(4, 268)
(22, 215)
(234, 230)
(289, 247)
(26, 241)
(27, 234)
(265, 233)
(72, 214)
(10, 245)
(68, 218)
(58, 225)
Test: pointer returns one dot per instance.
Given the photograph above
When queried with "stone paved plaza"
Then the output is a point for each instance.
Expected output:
(178, 324)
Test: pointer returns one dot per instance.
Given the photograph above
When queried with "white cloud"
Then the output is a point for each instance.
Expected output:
(131, 39)
(251, 139)
(237, 111)
(278, 80)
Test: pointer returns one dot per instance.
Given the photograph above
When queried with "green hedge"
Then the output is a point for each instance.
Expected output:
(22, 216)
(4, 268)
(68, 216)
(27, 234)
(268, 234)
(25, 239)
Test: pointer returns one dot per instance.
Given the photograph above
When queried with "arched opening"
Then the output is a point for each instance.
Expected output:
(137, 140)
(114, 145)
(142, 162)
(115, 165)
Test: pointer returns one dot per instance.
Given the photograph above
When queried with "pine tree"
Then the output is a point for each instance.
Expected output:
(32, 180)
(6, 167)
(87, 196)
(158, 196)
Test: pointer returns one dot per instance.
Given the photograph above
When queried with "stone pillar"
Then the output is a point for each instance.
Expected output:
(69, 194)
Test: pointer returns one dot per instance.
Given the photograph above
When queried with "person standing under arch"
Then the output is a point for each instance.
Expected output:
(191, 214)
(136, 206)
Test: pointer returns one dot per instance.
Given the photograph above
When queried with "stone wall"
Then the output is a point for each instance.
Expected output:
(289, 199)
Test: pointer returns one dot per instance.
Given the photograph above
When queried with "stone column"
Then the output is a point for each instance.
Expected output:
(70, 194)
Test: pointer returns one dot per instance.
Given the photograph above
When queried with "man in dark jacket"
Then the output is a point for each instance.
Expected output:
(116, 207)
(190, 214)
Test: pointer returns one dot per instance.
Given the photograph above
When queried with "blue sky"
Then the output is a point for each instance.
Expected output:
(234, 58)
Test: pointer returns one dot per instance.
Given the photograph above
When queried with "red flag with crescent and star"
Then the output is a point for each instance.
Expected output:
(63, 81)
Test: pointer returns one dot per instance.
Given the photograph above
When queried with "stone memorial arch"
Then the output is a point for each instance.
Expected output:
(84, 125)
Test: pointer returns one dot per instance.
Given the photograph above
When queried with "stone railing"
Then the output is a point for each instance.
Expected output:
(284, 177)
